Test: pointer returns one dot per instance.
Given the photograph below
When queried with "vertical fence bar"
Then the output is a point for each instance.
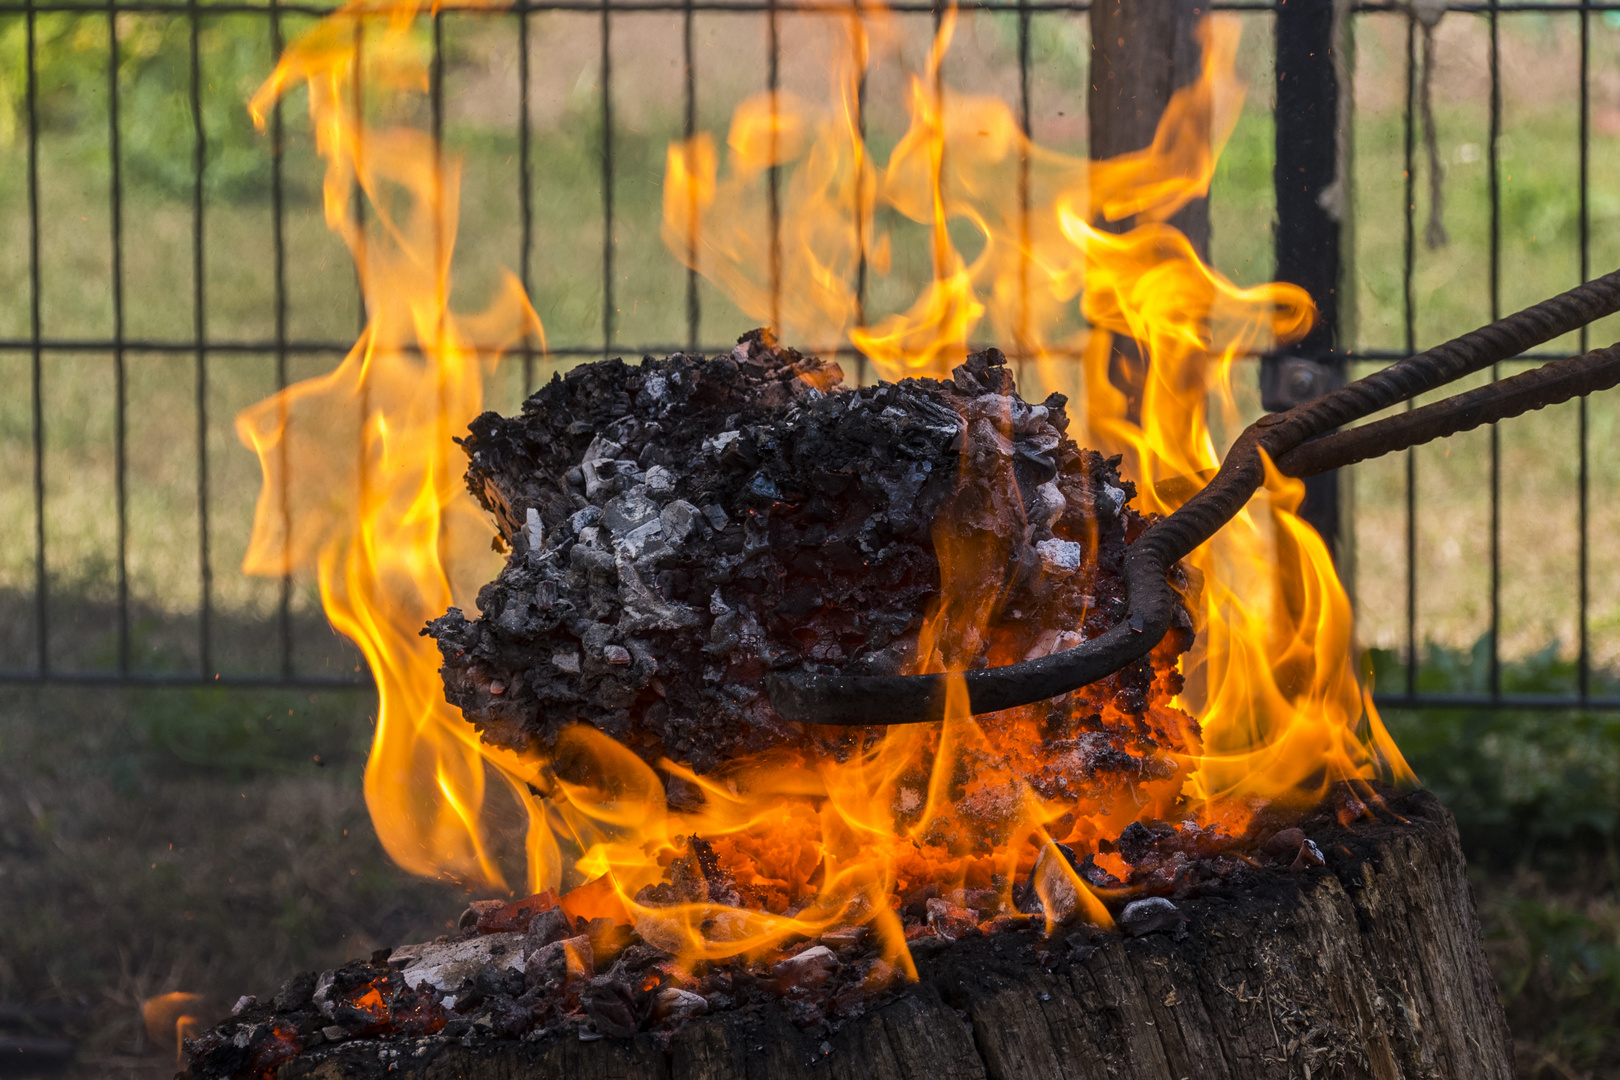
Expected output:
(525, 196)
(1023, 188)
(607, 179)
(774, 174)
(359, 197)
(436, 118)
(205, 573)
(278, 239)
(1583, 664)
(35, 332)
(1409, 344)
(362, 470)
(861, 195)
(1305, 178)
(115, 196)
(694, 313)
(1496, 369)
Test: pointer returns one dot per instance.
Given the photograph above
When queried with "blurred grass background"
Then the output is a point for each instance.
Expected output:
(215, 840)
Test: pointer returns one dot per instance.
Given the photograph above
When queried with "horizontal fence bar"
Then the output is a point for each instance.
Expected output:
(272, 347)
(158, 680)
(1485, 702)
(791, 7)
(105, 679)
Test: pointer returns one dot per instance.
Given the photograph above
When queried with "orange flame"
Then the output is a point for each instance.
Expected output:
(945, 813)
(172, 1017)
(1272, 676)
(362, 481)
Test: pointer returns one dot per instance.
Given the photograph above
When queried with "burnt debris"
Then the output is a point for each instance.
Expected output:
(529, 970)
(679, 529)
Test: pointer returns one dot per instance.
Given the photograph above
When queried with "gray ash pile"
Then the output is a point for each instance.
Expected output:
(681, 528)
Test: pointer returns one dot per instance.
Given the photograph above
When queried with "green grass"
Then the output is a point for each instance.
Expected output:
(207, 841)
(1537, 801)
(273, 864)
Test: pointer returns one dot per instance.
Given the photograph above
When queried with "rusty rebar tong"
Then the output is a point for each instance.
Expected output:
(1303, 441)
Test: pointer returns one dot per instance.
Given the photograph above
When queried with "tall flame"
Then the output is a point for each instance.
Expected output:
(1272, 674)
(362, 480)
(362, 486)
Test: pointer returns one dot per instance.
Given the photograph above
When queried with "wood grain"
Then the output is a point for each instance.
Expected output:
(1370, 967)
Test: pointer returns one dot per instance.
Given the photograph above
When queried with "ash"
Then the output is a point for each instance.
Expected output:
(679, 529)
(528, 970)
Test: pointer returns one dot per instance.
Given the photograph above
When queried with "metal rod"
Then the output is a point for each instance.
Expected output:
(815, 698)
(157, 678)
(278, 217)
(773, 175)
(1551, 384)
(358, 195)
(205, 572)
(1024, 340)
(861, 194)
(694, 312)
(525, 194)
(36, 370)
(821, 7)
(1496, 308)
(606, 72)
(115, 196)
(1583, 665)
(1409, 325)
(260, 347)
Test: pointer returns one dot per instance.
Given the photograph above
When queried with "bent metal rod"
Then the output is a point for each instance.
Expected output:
(1303, 441)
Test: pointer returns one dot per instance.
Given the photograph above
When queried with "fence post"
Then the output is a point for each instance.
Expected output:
(1142, 52)
(1311, 176)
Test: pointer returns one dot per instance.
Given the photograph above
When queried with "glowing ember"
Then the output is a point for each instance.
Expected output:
(798, 838)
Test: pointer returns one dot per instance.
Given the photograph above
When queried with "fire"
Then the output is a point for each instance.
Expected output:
(363, 487)
(1272, 677)
(172, 1017)
(362, 479)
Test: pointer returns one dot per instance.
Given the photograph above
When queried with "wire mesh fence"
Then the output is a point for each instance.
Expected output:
(164, 265)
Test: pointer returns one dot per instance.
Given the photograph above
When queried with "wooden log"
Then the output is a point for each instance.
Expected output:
(1371, 966)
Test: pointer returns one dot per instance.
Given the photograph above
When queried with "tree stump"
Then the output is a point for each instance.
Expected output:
(1371, 966)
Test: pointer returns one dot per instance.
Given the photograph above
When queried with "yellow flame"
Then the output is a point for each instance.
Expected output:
(376, 508)
(1274, 685)
(374, 502)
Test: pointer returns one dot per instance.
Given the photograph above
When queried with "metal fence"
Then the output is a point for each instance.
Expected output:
(271, 653)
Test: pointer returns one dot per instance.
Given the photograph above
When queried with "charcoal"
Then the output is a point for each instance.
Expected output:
(1151, 915)
(515, 916)
(556, 963)
(1309, 855)
(494, 981)
(1096, 876)
(611, 1005)
(1286, 842)
(547, 927)
(680, 529)
(295, 992)
(809, 968)
(674, 1005)
(951, 921)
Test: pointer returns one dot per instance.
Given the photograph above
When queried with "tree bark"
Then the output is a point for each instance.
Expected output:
(1371, 967)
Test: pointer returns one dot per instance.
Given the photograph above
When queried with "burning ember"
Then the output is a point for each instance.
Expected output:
(676, 532)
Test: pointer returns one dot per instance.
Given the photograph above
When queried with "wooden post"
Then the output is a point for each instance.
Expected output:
(1142, 52)
(1369, 968)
